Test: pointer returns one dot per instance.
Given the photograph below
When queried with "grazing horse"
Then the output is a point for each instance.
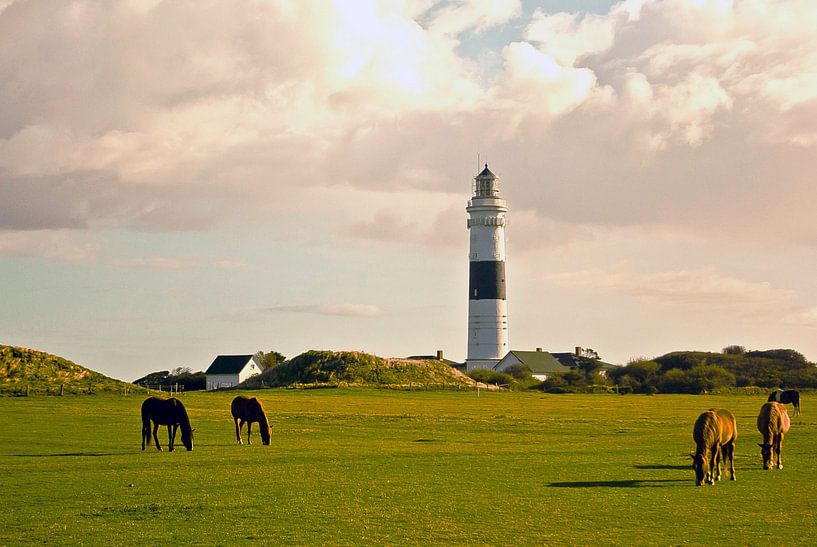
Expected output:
(773, 423)
(715, 433)
(169, 412)
(786, 396)
(246, 410)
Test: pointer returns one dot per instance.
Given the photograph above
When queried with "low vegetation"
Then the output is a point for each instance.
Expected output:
(516, 377)
(706, 372)
(27, 371)
(351, 368)
(181, 376)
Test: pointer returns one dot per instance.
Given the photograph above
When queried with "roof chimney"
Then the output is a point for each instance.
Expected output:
(439, 355)
(579, 351)
(539, 350)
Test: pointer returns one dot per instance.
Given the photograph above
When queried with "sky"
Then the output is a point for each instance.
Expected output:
(185, 179)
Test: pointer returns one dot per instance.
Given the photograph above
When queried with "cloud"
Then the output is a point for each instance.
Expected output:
(455, 17)
(61, 245)
(343, 310)
(173, 263)
(84, 247)
(703, 289)
(156, 116)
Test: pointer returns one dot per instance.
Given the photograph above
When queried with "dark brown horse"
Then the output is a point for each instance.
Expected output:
(715, 433)
(169, 412)
(247, 410)
(786, 396)
(773, 423)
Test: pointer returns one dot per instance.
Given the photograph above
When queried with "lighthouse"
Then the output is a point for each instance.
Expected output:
(487, 307)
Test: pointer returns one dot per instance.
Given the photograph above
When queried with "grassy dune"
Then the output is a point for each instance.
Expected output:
(38, 372)
(376, 466)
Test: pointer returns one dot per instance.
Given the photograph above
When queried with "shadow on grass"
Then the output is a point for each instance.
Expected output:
(69, 455)
(618, 484)
(684, 467)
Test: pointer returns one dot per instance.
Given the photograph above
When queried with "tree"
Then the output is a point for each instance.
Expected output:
(590, 353)
(270, 359)
(734, 350)
(640, 376)
(705, 378)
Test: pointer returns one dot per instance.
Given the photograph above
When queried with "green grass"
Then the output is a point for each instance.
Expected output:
(375, 466)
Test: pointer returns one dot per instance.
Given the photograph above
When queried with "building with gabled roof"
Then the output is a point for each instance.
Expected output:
(231, 370)
(543, 364)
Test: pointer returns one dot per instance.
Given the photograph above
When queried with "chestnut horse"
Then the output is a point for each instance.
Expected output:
(169, 412)
(246, 410)
(786, 396)
(773, 423)
(715, 433)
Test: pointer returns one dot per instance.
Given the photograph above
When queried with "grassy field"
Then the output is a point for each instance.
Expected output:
(371, 466)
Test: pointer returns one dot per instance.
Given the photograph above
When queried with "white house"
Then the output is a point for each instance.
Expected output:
(231, 370)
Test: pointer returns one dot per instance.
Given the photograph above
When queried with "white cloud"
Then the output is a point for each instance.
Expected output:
(460, 15)
(165, 116)
(61, 245)
(704, 289)
(88, 248)
(343, 310)
(568, 36)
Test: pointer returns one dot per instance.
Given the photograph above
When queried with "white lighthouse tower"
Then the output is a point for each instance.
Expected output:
(487, 307)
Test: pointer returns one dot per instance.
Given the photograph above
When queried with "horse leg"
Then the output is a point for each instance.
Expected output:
(709, 477)
(730, 453)
(237, 431)
(145, 434)
(778, 448)
(716, 469)
(171, 433)
(156, 436)
(249, 427)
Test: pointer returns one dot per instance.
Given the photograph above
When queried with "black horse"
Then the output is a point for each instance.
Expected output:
(786, 396)
(246, 410)
(169, 412)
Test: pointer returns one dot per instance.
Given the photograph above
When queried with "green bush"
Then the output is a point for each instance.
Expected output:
(489, 376)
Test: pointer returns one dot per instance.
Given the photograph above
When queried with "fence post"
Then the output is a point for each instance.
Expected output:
(62, 389)
(28, 389)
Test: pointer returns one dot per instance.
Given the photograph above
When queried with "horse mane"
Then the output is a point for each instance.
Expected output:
(773, 417)
(261, 414)
(705, 432)
(181, 414)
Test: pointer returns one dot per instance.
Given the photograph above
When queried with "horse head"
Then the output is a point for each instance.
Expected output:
(187, 439)
(266, 434)
(766, 452)
(701, 468)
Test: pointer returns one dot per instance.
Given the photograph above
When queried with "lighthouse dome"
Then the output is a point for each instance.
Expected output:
(486, 173)
(486, 184)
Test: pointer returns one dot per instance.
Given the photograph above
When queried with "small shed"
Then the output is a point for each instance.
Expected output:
(231, 370)
(438, 357)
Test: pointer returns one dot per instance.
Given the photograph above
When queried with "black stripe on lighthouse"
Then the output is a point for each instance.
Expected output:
(487, 280)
